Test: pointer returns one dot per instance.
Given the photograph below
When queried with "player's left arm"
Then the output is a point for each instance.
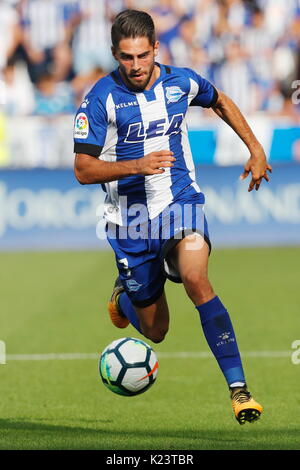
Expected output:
(257, 164)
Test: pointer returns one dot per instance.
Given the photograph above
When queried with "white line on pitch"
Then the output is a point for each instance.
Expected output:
(167, 355)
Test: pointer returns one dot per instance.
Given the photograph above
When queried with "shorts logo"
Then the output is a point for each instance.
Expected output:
(132, 285)
(173, 94)
(81, 130)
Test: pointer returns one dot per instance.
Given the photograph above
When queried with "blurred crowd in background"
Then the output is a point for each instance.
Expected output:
(53, 51)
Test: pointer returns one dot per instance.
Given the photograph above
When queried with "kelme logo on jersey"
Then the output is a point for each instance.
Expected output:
(81, 129)
(85, 103)
(173, 94)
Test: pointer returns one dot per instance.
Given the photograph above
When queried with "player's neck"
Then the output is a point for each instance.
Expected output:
(154, 76)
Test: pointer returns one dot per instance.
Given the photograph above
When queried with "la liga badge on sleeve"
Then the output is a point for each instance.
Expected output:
(81, 127)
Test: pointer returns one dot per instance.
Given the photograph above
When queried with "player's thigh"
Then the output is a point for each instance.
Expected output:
(191, 254)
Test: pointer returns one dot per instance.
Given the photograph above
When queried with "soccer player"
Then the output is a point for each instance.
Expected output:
(131, 137)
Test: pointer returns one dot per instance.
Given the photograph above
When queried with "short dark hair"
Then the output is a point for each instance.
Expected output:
(132, 24)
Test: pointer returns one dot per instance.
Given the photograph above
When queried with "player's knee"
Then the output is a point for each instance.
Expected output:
(194, 279)
(196, 284)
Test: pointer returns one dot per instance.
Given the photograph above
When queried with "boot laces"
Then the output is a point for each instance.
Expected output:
(241, 396)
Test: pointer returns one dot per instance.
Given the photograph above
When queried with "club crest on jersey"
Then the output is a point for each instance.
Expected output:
(173, 94)
(81, 128)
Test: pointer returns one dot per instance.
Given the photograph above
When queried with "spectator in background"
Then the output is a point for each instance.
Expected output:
(205, 16)
(115, 6)
(285, 55)
(18, 91)
(10, 32)
(227, 21)
(280, 104)
(259, 47)
(82, 83)
(137, 4)
(92, 29)
(187, 52)
(235, 78)
(44, 37)
(296, 30)
(168, 16)
(62, 36)
(181, 45)
(277, 16)
(53, 97)
(231, 17)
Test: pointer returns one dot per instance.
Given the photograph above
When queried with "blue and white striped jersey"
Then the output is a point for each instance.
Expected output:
(44, 22)
(116, 123)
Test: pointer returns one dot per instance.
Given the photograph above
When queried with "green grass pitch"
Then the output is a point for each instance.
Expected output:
(56, 303)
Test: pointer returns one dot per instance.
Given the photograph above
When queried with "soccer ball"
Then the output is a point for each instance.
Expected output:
(128, 366)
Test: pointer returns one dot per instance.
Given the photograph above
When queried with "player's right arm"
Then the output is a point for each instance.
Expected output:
(90, 170)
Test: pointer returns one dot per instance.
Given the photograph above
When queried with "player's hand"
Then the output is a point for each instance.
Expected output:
(258, 166)
(154, 163)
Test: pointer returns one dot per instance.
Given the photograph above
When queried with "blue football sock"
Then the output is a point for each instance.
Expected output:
(219, 333)
(128, 310)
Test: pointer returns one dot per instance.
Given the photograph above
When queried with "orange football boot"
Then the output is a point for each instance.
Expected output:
(244, 406)
(114, 310)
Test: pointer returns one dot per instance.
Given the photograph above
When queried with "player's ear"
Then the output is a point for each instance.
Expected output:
(114, 52)
(155, 47)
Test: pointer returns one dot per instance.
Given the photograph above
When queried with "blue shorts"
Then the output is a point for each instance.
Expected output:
(142, 253)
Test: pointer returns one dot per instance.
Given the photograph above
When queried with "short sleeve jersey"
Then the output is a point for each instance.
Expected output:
(115, 123)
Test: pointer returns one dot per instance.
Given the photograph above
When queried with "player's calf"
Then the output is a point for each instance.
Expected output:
(154, 319)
